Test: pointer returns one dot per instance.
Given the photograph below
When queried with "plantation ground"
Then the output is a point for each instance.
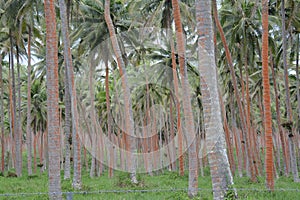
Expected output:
(167, 185)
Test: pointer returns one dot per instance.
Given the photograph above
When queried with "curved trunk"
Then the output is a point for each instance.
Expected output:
(278, 119)
(267, 99)
(187, 107)
(215, 136)
(52, 101)
(72, 91)
(129, 122)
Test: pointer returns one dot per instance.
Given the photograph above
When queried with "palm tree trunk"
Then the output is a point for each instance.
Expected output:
(216, 145)
(2, 118)
(267, 99)
(34, 147)
(298, 91)
(129, 122)
(93, 119)
(13, 121)
(285, 67)
(177, 103)
(227, 136)
(68, 136)
(19, 117)
(28, 129)
(109, 131)
(52, 101)
(278, 119)
(187, 107)
(72, 91)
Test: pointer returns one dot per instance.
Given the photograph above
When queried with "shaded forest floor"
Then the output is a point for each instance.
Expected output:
(162, 185)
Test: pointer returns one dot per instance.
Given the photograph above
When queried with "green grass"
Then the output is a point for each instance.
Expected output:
(168, 182)
(171, 186)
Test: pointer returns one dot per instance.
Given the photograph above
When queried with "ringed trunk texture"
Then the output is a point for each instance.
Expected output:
(72, 91)
(215, 136)
(52, 101)
(267, 99)
(187, 107)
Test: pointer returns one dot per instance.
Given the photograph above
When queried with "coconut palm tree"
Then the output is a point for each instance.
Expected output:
(188, 113)
(129, 123)
(267, 99)
(72, 92)
(52, 101)
(216, 146)
(2, 116)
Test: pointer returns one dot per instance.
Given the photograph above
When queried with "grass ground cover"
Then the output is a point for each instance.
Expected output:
(166, 185)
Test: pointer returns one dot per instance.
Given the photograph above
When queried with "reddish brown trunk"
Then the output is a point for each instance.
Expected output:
(227, 137)
(267, 99)
(52, 101)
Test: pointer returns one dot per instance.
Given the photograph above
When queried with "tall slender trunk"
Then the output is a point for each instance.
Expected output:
(278, 119)
(93, 119)
(216, 145)
(245, 130)
(34, 146)
(68, 136)
(267, 99)
(129, 122)
(72, 91)
(298, 92)
(285, 67)
(19, 117)
(187, 107)
(52, 101)
(109, 131)
(177, 102)
(28, 127)
(14, 112)
(227, 136)
(2, 117)
(11, 119)
(68, 125)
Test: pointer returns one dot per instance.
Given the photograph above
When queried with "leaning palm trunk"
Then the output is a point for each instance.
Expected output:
(52, 101)
(244, 123)
(215, 137)
(129, 123)
(187, 107)
(72, 91)
(278, 119)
